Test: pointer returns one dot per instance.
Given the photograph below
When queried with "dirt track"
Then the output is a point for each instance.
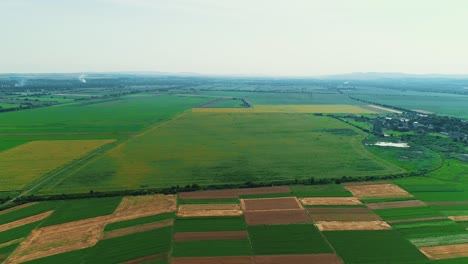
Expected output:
(199, 236)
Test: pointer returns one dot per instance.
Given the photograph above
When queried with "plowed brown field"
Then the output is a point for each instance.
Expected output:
(286, 203)
(276, 217)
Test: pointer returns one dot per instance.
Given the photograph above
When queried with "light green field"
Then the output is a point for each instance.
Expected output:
(211, 149)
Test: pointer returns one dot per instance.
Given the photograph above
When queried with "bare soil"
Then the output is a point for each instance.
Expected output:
(146, 258)
(352, 225)
(214, 260)
(342, 214)
(399, 204)
(286, 203)
(199, 236)
(234, 193)
(274, 217)
(56, 239)
(445, 252)
(299, 259)
(25, 221)
(137, 229)
(330, 201)
(386, 190)
(459, 218)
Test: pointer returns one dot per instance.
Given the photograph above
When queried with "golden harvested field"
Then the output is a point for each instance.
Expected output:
(199, 210)
(326, 109)
(24, 164)
(445, 252)
(377, 190)
(351, 225)
(330, 201)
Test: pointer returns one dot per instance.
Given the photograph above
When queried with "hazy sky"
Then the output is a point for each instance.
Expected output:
(277, 37)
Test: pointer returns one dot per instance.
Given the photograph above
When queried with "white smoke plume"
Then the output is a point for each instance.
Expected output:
(82, 78)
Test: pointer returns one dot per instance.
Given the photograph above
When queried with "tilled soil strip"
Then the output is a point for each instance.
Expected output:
(233, 193)
(200, 236)
(268, 259)
(199, 210)
(286, 203)
(276, 217)
(445, 252)
(396, 204)
(146, 258)
(137, 229)
(459, 218)
(25, 221)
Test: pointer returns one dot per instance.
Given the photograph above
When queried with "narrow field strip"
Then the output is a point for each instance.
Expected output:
(342, 214)
(233, 193)
(417, 219)
(397, 204)
(459, 218)
(351, 225)
(25, 221)
(11, 242)
(137, 229)
(440, 240)
(199, 210)
(17, 207)
(286, 203)
(201, 236)
(330, 201)
(445, 252)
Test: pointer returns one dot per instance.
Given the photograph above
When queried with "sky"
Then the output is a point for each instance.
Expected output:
(253, 37)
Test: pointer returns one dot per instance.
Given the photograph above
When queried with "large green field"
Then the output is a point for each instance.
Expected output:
(208, 149)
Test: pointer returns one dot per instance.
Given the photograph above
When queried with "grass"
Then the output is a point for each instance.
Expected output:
(209, 224)
(24, 164)
(73, 210)
(329, 109)
(233, 148)
(117, 250)
(17, 232)
(330, 190)
(229, 104)
(139, 221)
(287, 239)
(8, 106)
(212, 248)
(28, 211)
(383, 246)
(407, 213)
(122, 114)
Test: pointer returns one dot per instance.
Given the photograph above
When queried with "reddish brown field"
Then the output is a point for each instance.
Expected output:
(214, 260)
(234, 193)
(273, 259)
(385, 190)
(299, 259)
(286, 203)
(399, 204)
(446, 252)
(342, 214)
(198, 236)
(275, 217)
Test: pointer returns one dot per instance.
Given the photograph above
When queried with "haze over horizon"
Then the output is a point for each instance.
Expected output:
(276, 37)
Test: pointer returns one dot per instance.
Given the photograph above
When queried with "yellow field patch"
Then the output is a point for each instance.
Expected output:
(326, 109)
(23, 164)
